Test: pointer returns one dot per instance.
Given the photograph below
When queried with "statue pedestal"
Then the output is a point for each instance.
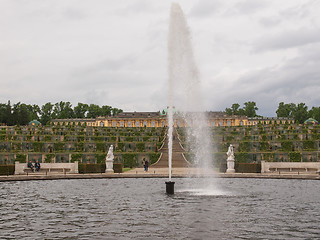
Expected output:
(109, 166)
(230, 165)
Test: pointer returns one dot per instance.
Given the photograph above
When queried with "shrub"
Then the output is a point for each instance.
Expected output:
(153, 157)
(244, 146)
(140, 147)
(264, 146)
(76, 157)
(79, 146)
(295, 157)
(269, 157)
(58, 146)
(308, 145)
(241, 157)
(120, 147)
(38, 146)
(101, 158)
(21, 158)
(129, 160)
(100, 146)
(287, 146)
(49, 157)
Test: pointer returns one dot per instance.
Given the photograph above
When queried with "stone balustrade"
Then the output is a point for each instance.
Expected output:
(22, 168)
(268, 167)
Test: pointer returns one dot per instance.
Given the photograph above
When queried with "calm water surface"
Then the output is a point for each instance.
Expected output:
(140, 209)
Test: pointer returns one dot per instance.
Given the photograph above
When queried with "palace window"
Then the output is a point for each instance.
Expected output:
(220, 123)
(229, 123)
(129, 124)
(114, 124)
(121, 124)
(145, 123)
(137, 124)
(241, 123)
(153, 124)
(101, 124)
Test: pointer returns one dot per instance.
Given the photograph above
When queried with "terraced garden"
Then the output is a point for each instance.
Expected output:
(278, 143)
(88, 145)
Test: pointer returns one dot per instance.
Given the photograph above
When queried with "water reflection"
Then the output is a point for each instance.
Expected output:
(140, 209)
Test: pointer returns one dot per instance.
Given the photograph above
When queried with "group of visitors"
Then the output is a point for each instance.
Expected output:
(35, 166)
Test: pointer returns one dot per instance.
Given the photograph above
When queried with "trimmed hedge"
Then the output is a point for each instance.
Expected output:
(97, 168)
(242, 167)
(248, 167)
(91, 168)
(129, 160)
(7, 169)
(153, 157)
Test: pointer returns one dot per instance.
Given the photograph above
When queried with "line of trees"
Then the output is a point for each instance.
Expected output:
(22, 114)
(250, 109)
(299, 112)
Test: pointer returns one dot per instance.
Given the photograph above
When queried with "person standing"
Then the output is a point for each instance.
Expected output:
(146, 164)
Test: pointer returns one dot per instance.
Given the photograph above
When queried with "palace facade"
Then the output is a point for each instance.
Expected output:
(159, 119)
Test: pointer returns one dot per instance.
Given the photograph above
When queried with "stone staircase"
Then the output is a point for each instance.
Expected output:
(178, 160)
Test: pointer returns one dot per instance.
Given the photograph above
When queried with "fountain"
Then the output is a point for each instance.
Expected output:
(185, 93)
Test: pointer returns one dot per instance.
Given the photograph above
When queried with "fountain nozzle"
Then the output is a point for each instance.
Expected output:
(170, 187)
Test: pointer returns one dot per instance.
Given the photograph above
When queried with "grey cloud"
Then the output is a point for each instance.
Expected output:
(296, 81)
(204, 8)
(74, 14)
(270, 21)
(288, 39)
(302, 10)
(249, 6)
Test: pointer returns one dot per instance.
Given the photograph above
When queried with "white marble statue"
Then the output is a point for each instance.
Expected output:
(109, 160)
(230, 160)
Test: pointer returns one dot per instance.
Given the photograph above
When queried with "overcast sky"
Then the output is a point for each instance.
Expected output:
(114, 53)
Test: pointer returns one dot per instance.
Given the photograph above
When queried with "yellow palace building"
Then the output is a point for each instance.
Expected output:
(152, 119)
(159, 119)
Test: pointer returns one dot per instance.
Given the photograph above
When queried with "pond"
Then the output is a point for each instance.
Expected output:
(140, 209)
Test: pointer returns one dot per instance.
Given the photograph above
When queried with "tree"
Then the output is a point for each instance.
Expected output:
(34, 111)
(116, 111)
(47, 113)
(6, 114)
(94, 111)
(286, 110)
(21, 114)
(106, 110)
(80, 111)
(301, 113)
(234, 110)
(250, 109)
(63, 110)
(314, 112)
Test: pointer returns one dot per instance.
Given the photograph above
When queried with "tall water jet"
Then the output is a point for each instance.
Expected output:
(185, 92)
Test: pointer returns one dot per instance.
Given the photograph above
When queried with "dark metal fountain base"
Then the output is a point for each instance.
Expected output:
(170, 187)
